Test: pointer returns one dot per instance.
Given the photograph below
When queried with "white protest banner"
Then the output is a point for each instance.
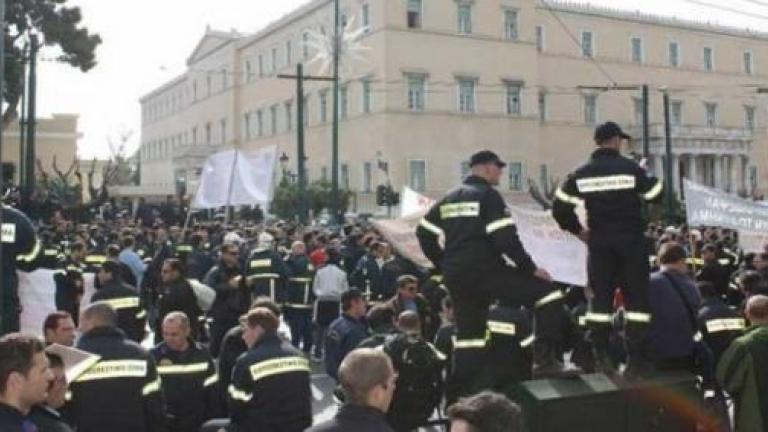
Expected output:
(413, 202)
(710, 207)
(559, 252)
(37, 294)
(236, 177)
(401, 233)
(76, 361)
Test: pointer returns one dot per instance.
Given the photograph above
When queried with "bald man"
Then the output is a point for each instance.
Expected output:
(741, 370)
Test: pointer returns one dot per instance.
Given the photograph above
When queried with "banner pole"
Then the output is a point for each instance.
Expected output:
(231, 183)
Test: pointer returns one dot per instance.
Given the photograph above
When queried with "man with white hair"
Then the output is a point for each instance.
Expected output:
(265, 270)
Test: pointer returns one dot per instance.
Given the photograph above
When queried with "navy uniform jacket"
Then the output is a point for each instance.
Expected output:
(270, 388)
(355, 418)
(266, 274)
(344, 335)
(20, 248)
(131, 315)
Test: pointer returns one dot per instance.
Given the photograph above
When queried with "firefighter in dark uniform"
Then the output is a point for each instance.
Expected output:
(434, 290)
(188, 376)
(232, 298)
(510, 341)
(300, 301)
(131, 315)
(719, 324)
(484, 260)
(20, 248)
(612, 188)
(270, 383)
(69, 280)
(120, 393)
(265, 270)
(50, 255)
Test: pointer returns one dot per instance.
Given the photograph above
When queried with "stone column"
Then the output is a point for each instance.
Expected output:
(693, 168)
(676, 174)
(734, 172)
(718, 171)
(743, 174)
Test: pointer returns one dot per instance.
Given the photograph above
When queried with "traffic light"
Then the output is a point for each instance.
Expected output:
(381, 193)
(386, 196)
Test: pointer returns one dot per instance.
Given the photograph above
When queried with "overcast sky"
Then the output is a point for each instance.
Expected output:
(146, 43)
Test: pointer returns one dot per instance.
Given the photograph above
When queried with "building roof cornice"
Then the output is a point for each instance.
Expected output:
(289, 18)
(646, 18)
(172, 83)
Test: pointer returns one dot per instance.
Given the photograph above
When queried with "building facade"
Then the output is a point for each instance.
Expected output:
(432, 82)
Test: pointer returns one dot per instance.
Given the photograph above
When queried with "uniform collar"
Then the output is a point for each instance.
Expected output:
(360, 412)
(106, 331)
(473, 179)
(605, 152)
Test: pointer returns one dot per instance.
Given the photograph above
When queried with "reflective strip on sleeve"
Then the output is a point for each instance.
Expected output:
(549, 298)
(582, 321)
(724, 261)
(260, 263)
(122, 302)
(725, 324)
(300, 279)
(50, 252)
(184, 248)
(460, 209)
(141, 314)
(653, 192)
(640, 317)
(278, 366)
(698, 337)
(115, 369)
(68, 396)
(182, 369)
(152, 387)
(8, 233)
(438, 353)
(527, 341)
(499, 224)
(31, 255)
(570, 199)
(299, 306)
(468, 343)
(606, 183)
(239, 395)
(74, 269)
(211, 380)
(95, 259)
(429, 226)
(501, 327)
(598, 317)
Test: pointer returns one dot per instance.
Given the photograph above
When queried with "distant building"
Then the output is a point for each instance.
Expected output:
(443, 79)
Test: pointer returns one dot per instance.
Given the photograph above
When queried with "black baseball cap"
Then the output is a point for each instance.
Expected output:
(608, 130)
(484, 157)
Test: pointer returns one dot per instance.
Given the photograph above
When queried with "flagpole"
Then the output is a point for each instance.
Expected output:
(231, 184)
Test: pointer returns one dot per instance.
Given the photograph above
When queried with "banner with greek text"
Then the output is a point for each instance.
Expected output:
(705, 206)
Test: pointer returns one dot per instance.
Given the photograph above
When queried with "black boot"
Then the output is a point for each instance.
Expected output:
(599, 336)
(546, 363)
(639, 365)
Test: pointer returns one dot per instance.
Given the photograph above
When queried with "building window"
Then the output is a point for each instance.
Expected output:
(753, 178)
(274, 60)
(248, 71)
(416, 91)
(417, 175)
(344, 176)
(676, 108)
(208, 134)
(367, 176)
(323, 106)
(223, 125)
(367, 100)
(513, 98)
(194, 135)
(711, 110)
(289, 115)
(748, 66)
(288, 53)
(273, 119)
(674, 54)
(366, 17)
(324, 173)
(638, 104)
(540, 38)
(749, 117)
(709, 59)
(590, 109)
(465, 18)
(247, 125)
(208, 84)
(413, 16)
(544, 175)
(516, 176)
(305, 45)
(260, 123)
(466, 91)
(510, 24)
(464, 169)
(194, 90)
(637, 50)
(343, 102)
(542, 106)
(261, 65)
(587, 44)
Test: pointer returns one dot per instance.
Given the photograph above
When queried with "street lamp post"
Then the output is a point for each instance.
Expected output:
(335, 128)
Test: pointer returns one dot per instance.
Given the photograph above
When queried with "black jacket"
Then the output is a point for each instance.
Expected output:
(69, 285)
(478, 232)
(120, 393)
(20, 247)
(11, 419)
(344, 334)
(190, 385)
(131, 315)
(719, 325)
(266, 274)
(612, 188)
(270, 388)
(232, 346)
(48, 420)
(299, 294)
(179, 296)
(230, 302)
(355, 418)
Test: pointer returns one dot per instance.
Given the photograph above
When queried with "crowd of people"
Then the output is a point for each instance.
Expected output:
(238, 316)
